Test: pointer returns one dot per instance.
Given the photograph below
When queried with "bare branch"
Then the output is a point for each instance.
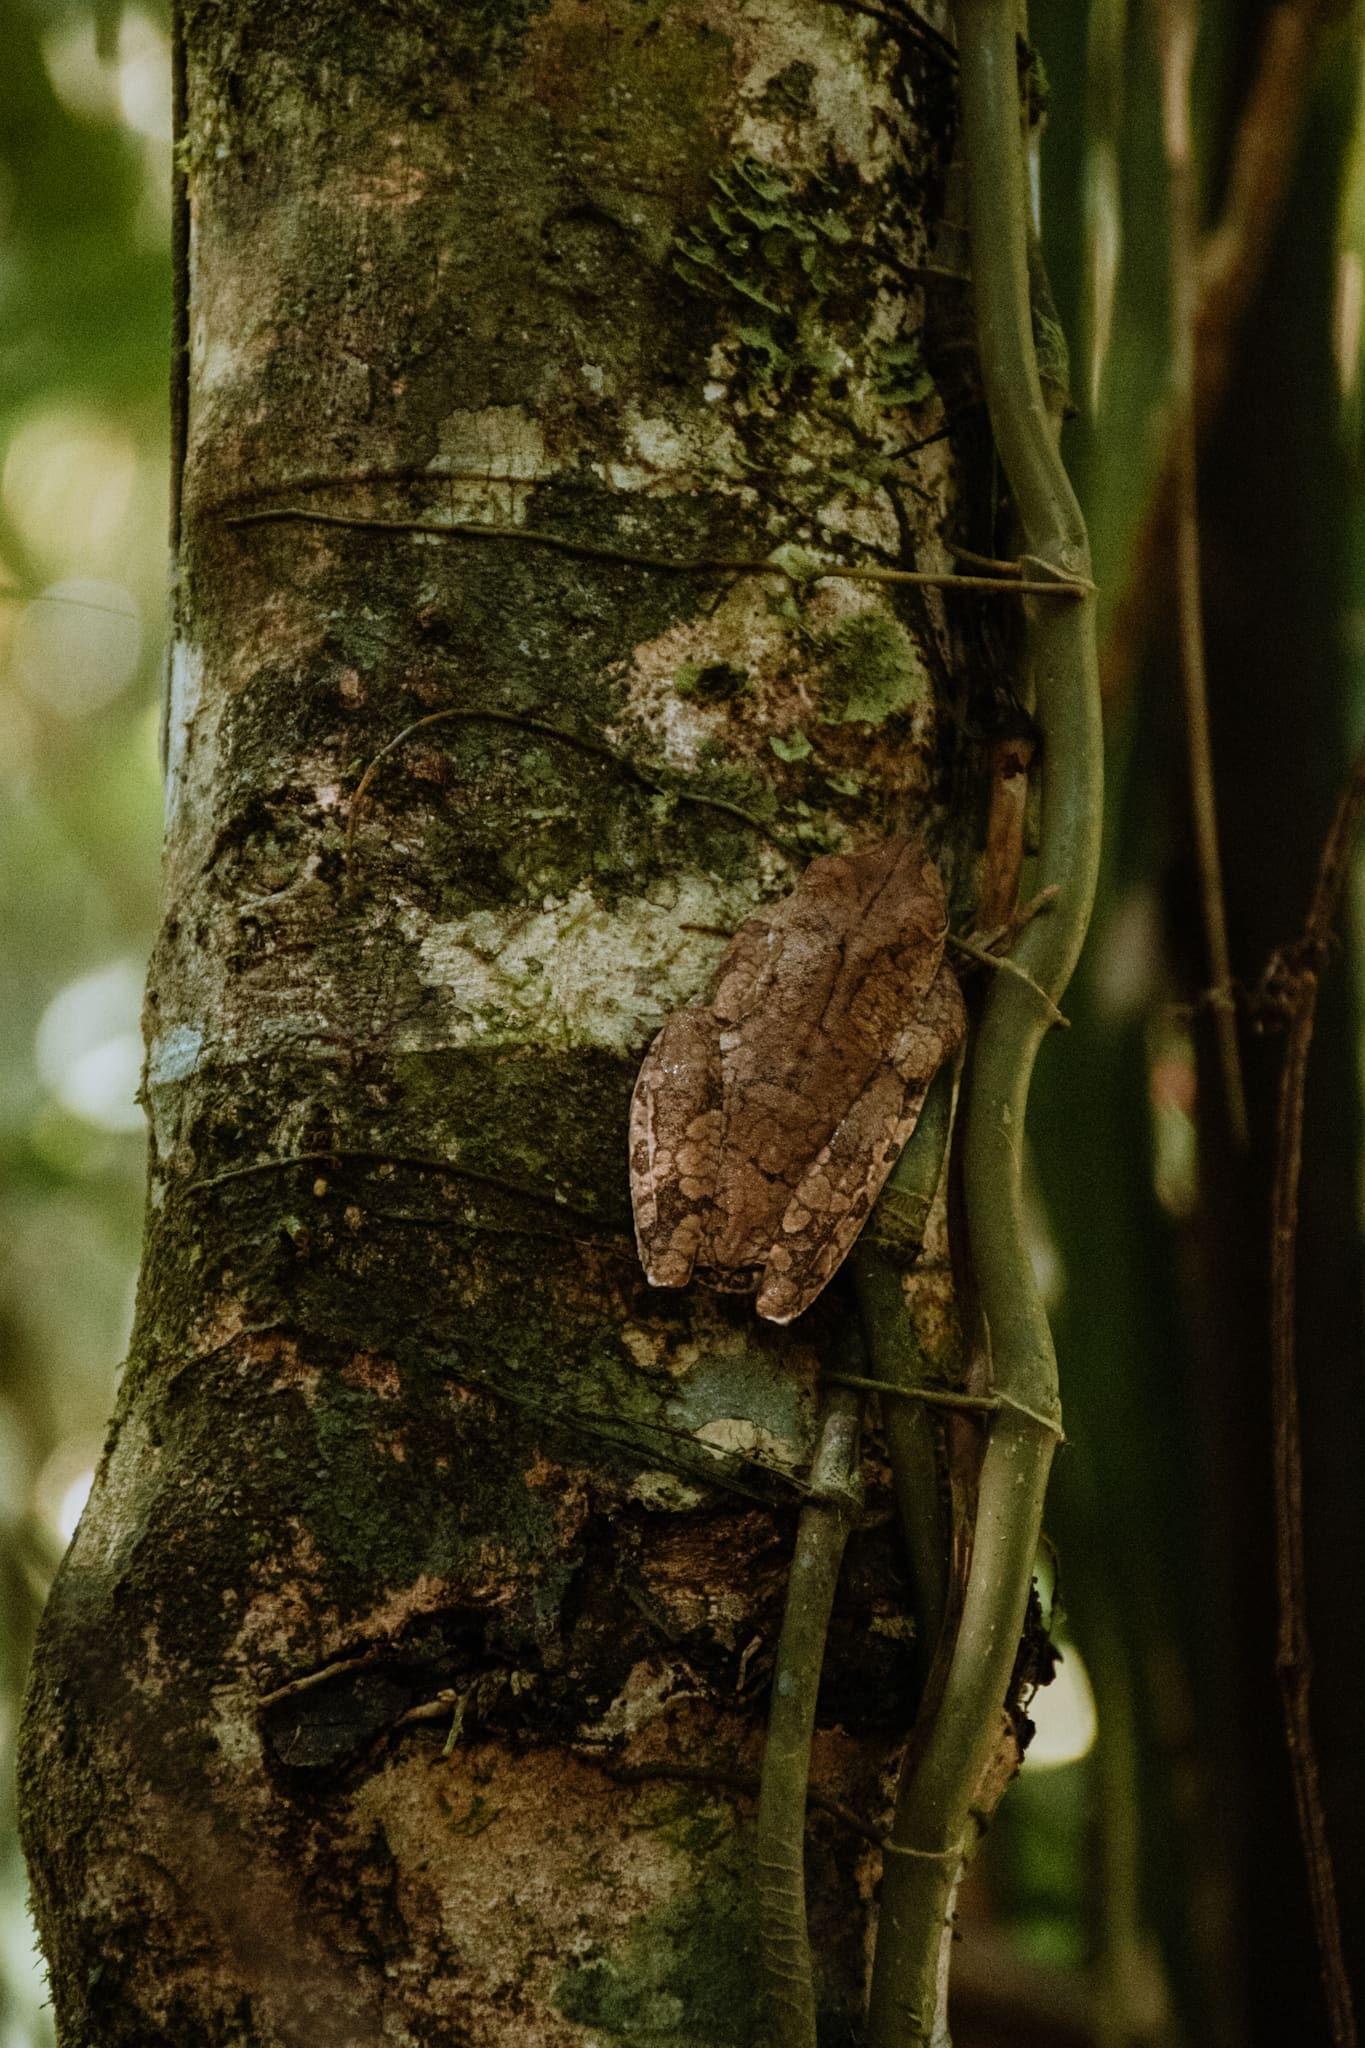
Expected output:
(1297, 977)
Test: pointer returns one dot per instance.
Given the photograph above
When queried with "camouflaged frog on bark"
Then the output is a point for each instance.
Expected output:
(763, 1126)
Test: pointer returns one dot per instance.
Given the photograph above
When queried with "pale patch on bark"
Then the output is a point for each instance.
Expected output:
(663, 1493)
(743, 633)
(740, 1433)
(318, 774)
(869, 520)
(491, 457)
(653, 1687)
(568, 973)
(232, 1720)
(721, 1373)
(697, 450)
(221, 361)
(748, 634)
(574, 973)
(113, 1513)
(289, 1609)
(716, 1346)
(855, 109)
(185, 687)
(174, 1055)
(468, 1835)
(648, 1348)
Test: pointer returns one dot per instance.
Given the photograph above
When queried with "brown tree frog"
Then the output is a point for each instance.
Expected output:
(763, 1126)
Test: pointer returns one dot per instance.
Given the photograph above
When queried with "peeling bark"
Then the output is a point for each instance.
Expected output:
(424, 1524)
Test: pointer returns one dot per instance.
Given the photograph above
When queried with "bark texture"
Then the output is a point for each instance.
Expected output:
(426, 1530)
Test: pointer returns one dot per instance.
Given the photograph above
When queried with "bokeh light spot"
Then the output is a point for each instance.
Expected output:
(144, 76)
(72, 1504)
(133, 86)
(88, 1048)
(1063, 1714)
(63, 1485)
(78, 645)
(68, 483)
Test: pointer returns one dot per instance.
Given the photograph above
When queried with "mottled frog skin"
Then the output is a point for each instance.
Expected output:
(763, 1126)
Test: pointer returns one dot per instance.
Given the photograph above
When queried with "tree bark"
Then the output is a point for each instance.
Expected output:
(426, 1534)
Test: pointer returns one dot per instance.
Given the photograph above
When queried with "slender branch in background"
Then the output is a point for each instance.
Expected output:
(1106, 75)
(1130, 1988)
(1292, 985)
(1177, 31)
(1235, 252)
(1231, 265)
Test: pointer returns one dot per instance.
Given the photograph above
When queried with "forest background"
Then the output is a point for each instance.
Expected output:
(1143, 1881)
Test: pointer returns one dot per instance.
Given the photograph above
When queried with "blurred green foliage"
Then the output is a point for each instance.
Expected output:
(84, 325)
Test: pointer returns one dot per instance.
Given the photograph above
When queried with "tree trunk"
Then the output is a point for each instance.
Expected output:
(428, 1538)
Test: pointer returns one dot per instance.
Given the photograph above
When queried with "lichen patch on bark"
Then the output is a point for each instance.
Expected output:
(479, 1831)
(572, 972)
(802, 90)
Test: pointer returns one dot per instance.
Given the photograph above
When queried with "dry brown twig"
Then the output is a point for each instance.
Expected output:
(1177, 28)
(1289, 990)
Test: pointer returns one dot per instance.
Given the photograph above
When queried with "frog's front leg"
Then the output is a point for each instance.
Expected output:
(676, 1124)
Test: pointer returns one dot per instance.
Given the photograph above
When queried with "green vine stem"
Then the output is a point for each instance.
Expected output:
(896, 1354)
(833, 1505)
(933, 1825)
(821, 1535)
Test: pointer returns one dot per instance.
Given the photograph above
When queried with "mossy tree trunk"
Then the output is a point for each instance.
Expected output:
(425, 1529)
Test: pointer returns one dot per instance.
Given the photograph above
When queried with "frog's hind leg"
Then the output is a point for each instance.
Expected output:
(932, 1035)
(676, 1120)
(834, 1197)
